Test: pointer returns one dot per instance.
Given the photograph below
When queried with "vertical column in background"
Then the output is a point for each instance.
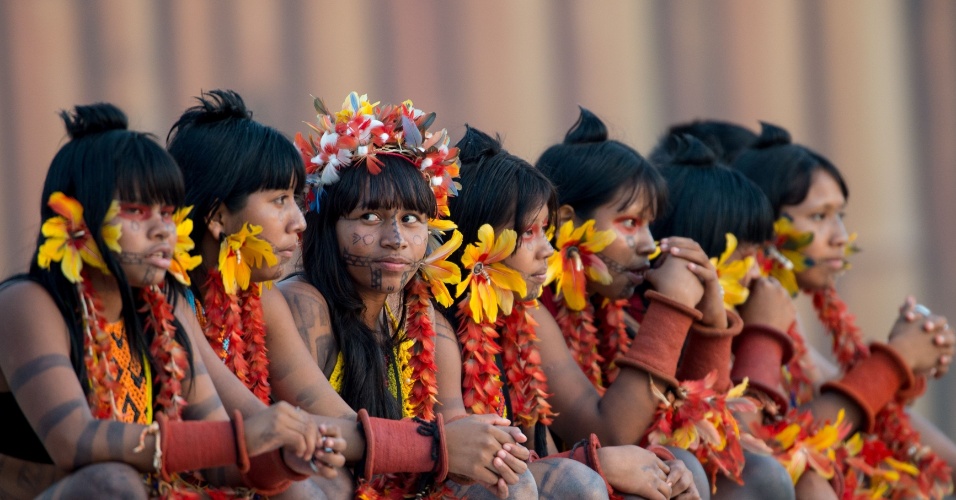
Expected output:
(43, 72)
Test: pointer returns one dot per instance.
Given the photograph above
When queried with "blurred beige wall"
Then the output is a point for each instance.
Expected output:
(869, 83)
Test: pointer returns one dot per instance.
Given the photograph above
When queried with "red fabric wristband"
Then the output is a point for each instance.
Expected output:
(661, 452)
(585, 451)
(657, 345)
(708, 349)
(270, 475)
(760, 352)
(182, 450)
(873, 382)
(398, 446)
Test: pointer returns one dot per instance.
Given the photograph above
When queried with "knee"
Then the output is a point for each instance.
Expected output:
(700, 475)
(564, 478)
(104, 480)
(765, 476)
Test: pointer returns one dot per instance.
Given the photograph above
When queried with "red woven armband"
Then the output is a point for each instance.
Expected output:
(873, 382)
(404, 446)
(194, 445)
(657, 345)
(760, 352)
(708, 349)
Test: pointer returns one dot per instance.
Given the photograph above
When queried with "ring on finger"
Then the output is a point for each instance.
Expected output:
(922, 310)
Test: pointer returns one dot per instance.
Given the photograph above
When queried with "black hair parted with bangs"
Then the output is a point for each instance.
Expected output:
(400, 185)
(708, 199)
(225, 156)
(783, 170)
(104, 161)
(589, 170)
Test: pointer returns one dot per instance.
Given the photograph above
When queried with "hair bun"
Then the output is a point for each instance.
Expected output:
(772, 135)
(93, 119)
(476, 145)
(217, 105)
(589, 128)
(684, 149)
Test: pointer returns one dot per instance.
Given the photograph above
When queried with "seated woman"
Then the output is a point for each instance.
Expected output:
(873, 383)
(100, 385)
(378, 179)
(510, 359)
(732, 220)
(243, 178)
(604, 180)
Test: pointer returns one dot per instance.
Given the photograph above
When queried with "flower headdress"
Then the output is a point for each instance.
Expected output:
(363, 130)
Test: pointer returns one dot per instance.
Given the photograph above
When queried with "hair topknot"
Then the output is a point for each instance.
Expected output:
(589, 128)
(93, 119)
(772, 135)
(684, 149)
(476, 145)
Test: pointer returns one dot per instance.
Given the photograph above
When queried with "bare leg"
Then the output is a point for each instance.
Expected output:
(763, 476)
(813, 486)
(564, 478)
(523, 489)
(102, 480)
(23, 479)
(700, 476)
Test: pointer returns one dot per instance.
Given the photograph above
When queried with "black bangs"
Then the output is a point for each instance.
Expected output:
(536, 191)
(278, 165)
(147, 174)
(400, 185)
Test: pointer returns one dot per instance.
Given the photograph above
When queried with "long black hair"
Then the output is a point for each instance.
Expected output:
(101, 162)
(708, 199)
(399, 185)
(784, 170)
(588, 170)
(225, 156)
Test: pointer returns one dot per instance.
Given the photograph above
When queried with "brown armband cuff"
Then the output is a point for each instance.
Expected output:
(657, 345)
(873, 382)
(709, 349)
(585, 451)
(404, 446)
(760, 351)
(907, 396)
(194, 445)
(662, 452)
(269, 474)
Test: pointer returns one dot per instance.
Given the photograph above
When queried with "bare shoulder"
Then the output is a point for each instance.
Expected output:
(33, 327)
(27, 306)
(296, 291)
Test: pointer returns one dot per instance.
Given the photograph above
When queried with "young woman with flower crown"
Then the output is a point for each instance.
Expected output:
(509, 358)
(378, 180)
(809, 196)
(243, 178)
(608, 182)
(100, 384)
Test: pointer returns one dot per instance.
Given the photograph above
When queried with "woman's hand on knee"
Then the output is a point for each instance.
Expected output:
(635, 471)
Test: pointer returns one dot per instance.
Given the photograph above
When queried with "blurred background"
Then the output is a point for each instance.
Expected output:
(871, 84)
